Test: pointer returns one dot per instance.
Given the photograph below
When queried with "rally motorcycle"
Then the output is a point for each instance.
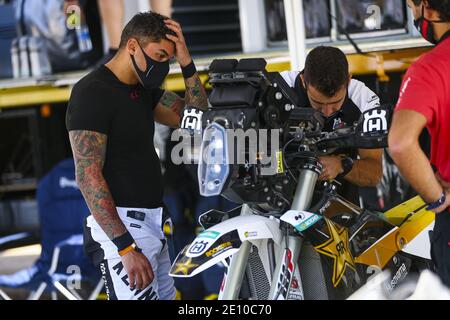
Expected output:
(293, 237)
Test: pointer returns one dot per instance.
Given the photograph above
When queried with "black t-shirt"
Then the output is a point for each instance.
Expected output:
(100, 102)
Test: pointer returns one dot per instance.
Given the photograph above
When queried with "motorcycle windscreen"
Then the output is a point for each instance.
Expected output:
(214, 164)
(208, 249)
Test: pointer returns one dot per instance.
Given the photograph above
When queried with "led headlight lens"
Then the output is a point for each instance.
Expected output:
(213, 168)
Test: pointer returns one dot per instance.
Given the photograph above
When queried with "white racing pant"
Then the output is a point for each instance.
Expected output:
(145, 226)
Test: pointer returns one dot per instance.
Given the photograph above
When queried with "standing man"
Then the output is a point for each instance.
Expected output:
(110, 119)
(425, 102)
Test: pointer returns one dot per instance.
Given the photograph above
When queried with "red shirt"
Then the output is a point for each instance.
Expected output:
(426, 89)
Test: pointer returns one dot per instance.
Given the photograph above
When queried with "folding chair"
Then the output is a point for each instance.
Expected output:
(63, 265)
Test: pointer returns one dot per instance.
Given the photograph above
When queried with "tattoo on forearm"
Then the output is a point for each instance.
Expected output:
(195, 93)
(89, 150)
(168, 99)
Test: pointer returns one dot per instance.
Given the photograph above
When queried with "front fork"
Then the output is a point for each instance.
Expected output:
(287, 262)
(234, 276)
(282, 278)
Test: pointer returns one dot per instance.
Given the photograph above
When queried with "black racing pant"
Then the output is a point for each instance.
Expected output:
(440, 246)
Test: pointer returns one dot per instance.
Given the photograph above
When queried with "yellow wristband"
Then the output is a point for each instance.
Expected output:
(127, 249)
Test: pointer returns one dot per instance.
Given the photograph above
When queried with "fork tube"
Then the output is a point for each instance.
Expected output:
(236, 272)
(302, 200)
(238, 265)
(305, 189)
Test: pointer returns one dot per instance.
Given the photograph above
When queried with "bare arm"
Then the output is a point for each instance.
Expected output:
(89, 150)
(406, 152)
(368, 170)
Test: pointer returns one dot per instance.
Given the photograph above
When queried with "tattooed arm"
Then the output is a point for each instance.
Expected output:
(170, 106)
(195, 95)
(89, 150)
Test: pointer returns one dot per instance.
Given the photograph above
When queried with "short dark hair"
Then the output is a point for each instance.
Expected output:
(145, 27)
(326, 69)
(441, 6)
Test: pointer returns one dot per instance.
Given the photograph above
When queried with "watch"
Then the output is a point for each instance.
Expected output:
(438, 203)
(347, 165)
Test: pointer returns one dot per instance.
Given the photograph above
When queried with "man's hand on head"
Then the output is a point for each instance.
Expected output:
(181, 51)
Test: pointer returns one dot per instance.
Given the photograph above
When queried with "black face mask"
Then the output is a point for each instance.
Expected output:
(154, 74)
(425, 27)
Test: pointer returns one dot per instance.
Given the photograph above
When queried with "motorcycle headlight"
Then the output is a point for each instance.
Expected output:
(214, 164)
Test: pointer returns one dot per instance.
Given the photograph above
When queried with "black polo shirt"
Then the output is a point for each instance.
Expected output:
(100, 102)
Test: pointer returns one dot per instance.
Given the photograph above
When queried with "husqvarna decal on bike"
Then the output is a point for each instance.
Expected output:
(192, 119)
(203, 253)
(285, 277)
(337, 248)
(197, 248)
(203, 243)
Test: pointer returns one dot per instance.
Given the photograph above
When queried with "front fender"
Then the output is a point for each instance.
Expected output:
(222, 241)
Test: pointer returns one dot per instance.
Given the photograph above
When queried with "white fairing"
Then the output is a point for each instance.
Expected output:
(420, 246)
(251, 228)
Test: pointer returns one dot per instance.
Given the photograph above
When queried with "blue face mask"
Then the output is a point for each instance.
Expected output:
(154, 74)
